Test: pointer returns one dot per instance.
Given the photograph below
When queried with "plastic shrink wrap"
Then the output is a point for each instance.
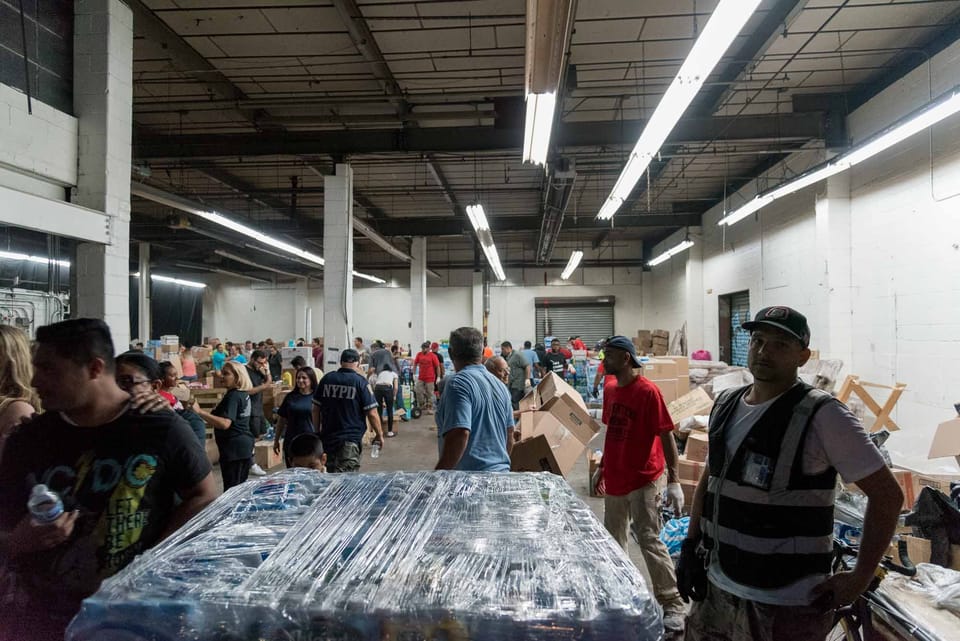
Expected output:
(431, 556)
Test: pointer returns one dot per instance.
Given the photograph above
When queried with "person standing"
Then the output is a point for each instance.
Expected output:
(127, 481)
(317, 353)
(638, 446)
(386, 384)
(533, 358)
(274, 361)
(259, 372)
(519, 372)
(18, 400)
(475, 421)
(343, 406)
(381, 358)
(554, 360)
(236, 354)
(218, 358)
(763, 510)
(230, 420)
(435, 350)
(428, 371)
(296, 413)
(576, 343)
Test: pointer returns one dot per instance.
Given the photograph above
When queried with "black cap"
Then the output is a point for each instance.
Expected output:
(624, 343)
(783, 318)
(349, 356)
(425, 345)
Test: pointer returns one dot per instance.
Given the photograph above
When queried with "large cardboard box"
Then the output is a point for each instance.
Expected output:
(919, 551)
(946, 440)
(908, 483)
(660, 369)
(668, 389)
(264, 455)
(697, 447)
(593, 464)
(690, 470)
(693, 403)
(683, 364)
(688, 487)
(554, 436)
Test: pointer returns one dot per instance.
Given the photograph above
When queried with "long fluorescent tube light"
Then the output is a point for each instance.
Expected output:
(479, 221)
(673, 251)
(914, 124)
(43, 260)
(720, 31)
(537, 127)
(372, 279)
(233, 225)
(477, 218)
(493, 259)
(572, 264)
(175, 281)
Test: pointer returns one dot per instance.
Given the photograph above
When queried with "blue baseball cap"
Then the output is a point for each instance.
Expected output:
(624, 343)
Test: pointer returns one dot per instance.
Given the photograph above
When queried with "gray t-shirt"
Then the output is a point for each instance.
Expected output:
(518, 370)
(382, 359)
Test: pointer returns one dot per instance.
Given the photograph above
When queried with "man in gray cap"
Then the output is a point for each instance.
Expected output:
(757, 558)
(638, 447)
(343, 405)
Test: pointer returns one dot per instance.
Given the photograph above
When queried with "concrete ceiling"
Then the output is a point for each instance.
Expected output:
(245, 105)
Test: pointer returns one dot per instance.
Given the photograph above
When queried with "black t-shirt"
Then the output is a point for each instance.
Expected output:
(555, 362)
(121, 477)
(236, 443)
(275, 361)
(344, 398)
(256, 400)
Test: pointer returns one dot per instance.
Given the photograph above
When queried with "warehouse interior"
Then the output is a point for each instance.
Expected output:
(198, 171)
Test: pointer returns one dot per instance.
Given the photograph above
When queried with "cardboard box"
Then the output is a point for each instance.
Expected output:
(698, 444)
(552, 438)
(939, 482)
(683, 384)
(946, 440)
(694, 403)
(689, 488)
(668, 389)
(683, 364)
(593, 464)
(690, 470)
(289, 353)
(660, 333)
(909, 485)
(175, 361)
(264, 455)
(660, 369)
(919, 551)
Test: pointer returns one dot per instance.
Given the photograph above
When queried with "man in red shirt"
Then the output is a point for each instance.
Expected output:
(576, 343)
(428, 371)
(638, 446)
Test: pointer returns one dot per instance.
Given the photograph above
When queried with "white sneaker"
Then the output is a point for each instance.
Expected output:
(256, 470)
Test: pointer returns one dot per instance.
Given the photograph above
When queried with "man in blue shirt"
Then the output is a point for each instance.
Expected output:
(533, 358)
(475, 419)
(343, 405)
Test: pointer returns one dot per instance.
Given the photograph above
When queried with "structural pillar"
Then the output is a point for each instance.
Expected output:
(338, 267)
(143, 294)
(833, 324)
(476, 291)
(301, 327)
(102, 99)
(693, 291)
(418, 291)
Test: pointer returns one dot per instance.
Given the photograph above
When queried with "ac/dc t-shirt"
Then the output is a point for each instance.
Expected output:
(635, 416)
(121, 477)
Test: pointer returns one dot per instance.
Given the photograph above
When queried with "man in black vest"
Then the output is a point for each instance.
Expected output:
(763, 510)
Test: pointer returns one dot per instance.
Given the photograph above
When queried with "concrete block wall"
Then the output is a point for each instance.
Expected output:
(41, 145)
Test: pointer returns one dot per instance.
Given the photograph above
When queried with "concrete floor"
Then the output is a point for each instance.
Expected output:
(415, 449)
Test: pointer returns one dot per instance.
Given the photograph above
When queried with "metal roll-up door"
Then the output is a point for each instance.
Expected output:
(591, 318)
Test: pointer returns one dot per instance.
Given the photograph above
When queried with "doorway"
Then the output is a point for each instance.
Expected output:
(734, 340)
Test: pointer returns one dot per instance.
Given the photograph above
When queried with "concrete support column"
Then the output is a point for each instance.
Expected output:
(694, 293)
(102, 99)
(832, 327)
(418, 291)
(477, 300)
(300, 305)
(338, 270)
(143, 294)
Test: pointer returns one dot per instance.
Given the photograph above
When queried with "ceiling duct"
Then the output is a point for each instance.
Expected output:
(556, 197)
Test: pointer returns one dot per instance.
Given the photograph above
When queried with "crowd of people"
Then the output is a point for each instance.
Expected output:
(118, 440)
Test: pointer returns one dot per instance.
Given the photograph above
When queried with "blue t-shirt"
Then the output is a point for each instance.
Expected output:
(297, 411)
(240, 358)
(533, 358)
(344, 398)
(219, 358)
(473, 399)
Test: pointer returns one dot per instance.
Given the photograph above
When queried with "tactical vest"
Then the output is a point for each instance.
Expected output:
(766, 522)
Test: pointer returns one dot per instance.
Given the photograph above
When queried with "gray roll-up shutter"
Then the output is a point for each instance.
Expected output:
(589, 318)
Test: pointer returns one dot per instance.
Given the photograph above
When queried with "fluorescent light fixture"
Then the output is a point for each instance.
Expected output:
(673, 251)
(43, 260)
(720, 31)
(914, 124)
(233, 225)
(175, 281)
(372, 279)
(572, 264)
(493, 259)
(477, 218)
(537, 127)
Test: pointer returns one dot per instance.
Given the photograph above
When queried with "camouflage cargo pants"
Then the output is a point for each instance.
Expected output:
(345, 459)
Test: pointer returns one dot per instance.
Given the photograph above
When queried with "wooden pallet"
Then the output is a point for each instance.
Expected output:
(853, 385)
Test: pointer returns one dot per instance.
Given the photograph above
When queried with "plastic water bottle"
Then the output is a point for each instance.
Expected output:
(375, 451)
(44, 505)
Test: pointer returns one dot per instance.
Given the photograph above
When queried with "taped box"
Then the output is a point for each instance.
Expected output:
(264, 455)
(697, 447)
(694, 403)
(556, 434)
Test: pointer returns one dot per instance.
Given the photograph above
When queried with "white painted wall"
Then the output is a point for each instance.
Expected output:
(42, 145)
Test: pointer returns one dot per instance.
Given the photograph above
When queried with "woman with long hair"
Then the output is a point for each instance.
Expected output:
(296, 413)
(18, 400)
(230, 420)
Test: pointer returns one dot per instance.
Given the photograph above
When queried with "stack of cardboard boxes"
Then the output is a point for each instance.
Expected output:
(655, 341)
(693, 459)
(671, 374)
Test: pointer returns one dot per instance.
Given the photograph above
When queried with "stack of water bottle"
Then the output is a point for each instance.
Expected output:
(366, 557)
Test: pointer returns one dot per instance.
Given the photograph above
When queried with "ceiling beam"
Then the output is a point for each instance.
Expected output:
(777, 127)
(366, 44)
(242, 187)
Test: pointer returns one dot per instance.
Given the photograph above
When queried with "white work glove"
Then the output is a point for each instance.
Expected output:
(673, 497)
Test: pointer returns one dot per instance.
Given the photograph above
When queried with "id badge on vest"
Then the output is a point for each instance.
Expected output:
(757, 470)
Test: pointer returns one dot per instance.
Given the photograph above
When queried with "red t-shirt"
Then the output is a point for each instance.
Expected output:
(635, 416)
(577, 344)
(428, 366)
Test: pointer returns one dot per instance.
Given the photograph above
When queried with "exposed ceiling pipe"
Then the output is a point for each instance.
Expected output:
(251, 263)
(556, 197)
(219, 270)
